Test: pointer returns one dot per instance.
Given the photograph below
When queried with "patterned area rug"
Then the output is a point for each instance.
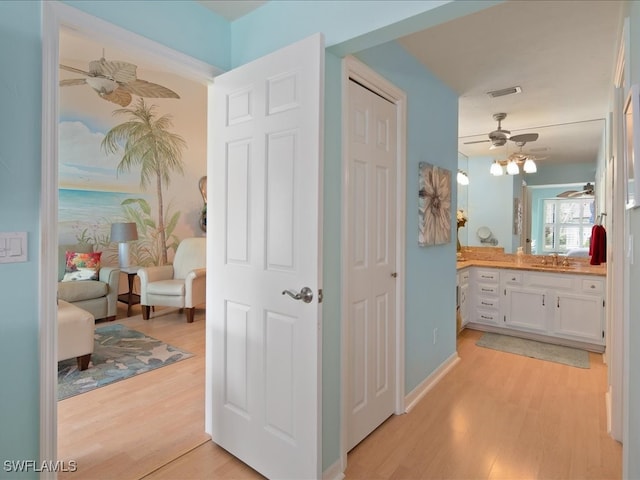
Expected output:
(119, 353)
(530, 348)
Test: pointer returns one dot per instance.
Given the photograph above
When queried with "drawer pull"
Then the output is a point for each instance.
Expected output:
(513, 279)
(487, 289)
(592, 286)
(487, 304)
(487, 276)
(486, 318)
(543, 299)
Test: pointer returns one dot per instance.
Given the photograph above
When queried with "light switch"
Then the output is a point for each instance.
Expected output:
(13, 247)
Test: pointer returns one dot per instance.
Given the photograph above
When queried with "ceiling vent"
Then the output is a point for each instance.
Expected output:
(505, 91)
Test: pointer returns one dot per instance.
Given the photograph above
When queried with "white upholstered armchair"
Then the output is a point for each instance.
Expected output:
(181, 285)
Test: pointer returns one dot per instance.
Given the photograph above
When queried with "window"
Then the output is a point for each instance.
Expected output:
(567, 223)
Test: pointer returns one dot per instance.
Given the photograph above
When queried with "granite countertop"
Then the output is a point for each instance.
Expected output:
(578, 268)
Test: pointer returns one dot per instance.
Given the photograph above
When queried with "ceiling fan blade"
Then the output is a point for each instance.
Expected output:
(524, 137)
(476, 141)
(118, 96)
(142, 88)
(73, 69)
(73, 81)
(567, 194)
(121, 72)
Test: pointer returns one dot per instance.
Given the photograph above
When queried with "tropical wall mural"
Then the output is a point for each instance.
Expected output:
(132, 148)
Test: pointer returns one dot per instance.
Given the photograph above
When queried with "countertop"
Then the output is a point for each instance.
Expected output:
(576, 268)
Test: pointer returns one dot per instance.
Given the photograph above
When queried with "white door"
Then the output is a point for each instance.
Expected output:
(264, 237)
(370, 262)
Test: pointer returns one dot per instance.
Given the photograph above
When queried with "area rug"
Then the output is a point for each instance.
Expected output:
(530, 348)
(119, 353)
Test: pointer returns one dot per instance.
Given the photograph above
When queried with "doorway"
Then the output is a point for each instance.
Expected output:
(373, 242)
(57, 16)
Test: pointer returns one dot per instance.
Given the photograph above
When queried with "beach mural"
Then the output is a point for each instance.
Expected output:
(130, 150)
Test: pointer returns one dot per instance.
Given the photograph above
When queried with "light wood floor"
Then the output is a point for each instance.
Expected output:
(494, 416)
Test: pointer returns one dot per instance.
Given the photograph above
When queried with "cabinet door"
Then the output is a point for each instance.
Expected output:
(464, 303)
(526, 309)
(579, 317)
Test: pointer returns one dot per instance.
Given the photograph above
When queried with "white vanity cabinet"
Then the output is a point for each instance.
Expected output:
(580, 316)
(562, 307)
(485, 304)
(463, 295)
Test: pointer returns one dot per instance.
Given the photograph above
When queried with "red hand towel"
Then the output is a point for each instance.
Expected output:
(598, 247)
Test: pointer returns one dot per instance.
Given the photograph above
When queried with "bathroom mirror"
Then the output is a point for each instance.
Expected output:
(566, 158)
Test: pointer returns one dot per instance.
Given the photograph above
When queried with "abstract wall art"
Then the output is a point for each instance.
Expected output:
(434, 205)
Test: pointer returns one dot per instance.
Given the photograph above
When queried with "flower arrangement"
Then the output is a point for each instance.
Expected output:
(461, 217)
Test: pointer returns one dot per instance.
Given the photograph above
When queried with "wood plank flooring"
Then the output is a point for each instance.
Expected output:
(494, 416)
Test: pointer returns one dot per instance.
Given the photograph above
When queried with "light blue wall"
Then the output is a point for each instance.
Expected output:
(432, 126)
(20, 101)
(348, 26)
(463, 198)
(183, 25)
(332, 275)
(559, 174)
(490, 204)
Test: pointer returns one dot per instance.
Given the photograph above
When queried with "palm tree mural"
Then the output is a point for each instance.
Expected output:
(147, 142)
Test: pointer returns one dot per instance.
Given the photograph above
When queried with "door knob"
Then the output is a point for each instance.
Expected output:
(306, 294)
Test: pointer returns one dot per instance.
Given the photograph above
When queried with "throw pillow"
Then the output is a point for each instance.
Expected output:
(82, 266)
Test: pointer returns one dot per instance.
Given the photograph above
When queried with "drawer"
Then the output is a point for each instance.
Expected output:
(488, 302)
(487, 316)
(593, 286)
(512, 278)
(487, 276)
(487, 289)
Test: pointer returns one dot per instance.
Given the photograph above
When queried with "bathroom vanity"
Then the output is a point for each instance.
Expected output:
(558, 304)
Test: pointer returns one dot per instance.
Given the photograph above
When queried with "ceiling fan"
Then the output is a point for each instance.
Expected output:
(587, 191)
(116, 81)
(499, 137)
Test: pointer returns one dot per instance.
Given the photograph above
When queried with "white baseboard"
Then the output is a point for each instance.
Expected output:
(428, 383)
(334, 472)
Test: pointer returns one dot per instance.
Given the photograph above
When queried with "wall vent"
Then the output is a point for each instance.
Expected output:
(504, 91)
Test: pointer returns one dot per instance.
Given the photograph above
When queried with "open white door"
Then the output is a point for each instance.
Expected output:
(264, 237)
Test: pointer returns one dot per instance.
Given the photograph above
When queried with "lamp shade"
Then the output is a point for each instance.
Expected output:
(512, 168)
(123, 232)
(462, 178)
(529, 166)
(496, 169)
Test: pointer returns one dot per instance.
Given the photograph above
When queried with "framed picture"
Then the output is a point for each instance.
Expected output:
(632, 146)
(434, 205)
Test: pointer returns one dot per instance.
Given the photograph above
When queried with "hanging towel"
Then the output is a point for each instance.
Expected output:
(598, 246)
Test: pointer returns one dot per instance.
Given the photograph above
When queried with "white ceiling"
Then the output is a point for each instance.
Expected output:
(562, 55)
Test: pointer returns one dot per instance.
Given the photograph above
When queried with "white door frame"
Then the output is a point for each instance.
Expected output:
(56, 16)
(353, 68)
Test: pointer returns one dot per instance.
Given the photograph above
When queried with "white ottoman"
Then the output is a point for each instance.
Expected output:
(75, 334)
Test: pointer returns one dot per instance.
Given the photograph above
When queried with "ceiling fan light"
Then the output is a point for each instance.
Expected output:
(496, 169)
(462, 178)
(529, 166)
(512, 168)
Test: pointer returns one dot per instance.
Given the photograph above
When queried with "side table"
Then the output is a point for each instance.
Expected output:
(130, 298)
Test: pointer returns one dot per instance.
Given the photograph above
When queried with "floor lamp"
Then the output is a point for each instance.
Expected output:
(123, 233)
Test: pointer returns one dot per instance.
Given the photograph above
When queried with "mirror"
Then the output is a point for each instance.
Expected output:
(512, 206)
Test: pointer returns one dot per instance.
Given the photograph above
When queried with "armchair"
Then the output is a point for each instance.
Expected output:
(182, 284)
